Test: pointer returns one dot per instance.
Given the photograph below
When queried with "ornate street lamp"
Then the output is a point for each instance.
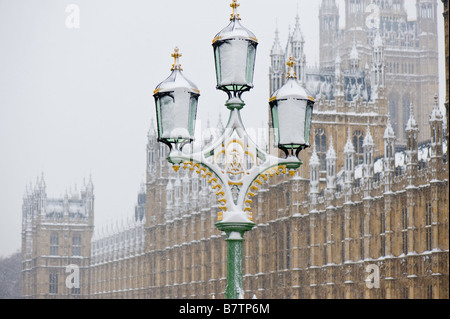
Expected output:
(233, 164)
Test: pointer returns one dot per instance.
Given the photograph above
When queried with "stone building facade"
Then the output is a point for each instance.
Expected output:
(56, 242)
(410, 57)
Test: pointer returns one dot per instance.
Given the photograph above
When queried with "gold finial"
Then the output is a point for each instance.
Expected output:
(291, 74)
(235, 15)
(176, 64)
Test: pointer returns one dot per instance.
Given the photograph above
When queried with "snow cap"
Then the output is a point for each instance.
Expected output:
(235, 30)
(176, 79)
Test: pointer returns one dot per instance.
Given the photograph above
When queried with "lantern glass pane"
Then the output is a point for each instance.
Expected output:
(291, 121)
(218, 68)
(233, 62)
(308, 122)
(275, 123)
(175, 115)
(193, 113)
(250, 63)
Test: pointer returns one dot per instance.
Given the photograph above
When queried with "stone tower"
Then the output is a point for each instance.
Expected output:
(410, 52)
(56, 242)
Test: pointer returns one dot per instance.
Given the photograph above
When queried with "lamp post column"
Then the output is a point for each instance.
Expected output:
(235, 240)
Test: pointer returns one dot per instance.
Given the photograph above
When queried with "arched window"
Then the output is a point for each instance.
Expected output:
(54, 244)
(76, 245)
(321, 147)
(358, 140)
(288, 199)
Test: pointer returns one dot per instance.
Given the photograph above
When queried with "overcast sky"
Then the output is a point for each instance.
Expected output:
(78, 101)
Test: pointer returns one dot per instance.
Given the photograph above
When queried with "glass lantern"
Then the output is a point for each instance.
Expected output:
(234, 54)
(291, 109)
(176, 100)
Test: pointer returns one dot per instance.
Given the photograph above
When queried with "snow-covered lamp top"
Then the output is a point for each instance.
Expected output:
(235, 53)
(176, 79)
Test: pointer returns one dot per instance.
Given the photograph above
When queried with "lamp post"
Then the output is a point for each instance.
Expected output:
(233, 164)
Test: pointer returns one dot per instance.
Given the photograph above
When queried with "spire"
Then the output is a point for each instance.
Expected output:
(377, 42)
(276, 47)
(220, 127)
(42, 183)
(90, 185)
(389, 131)
(411, 125)
(331, 153)
(152, 130)
(368, 140)
(331, 172)
(349, 148)
(314, 160)
(297, 35)
(436, 114)
(354, 56)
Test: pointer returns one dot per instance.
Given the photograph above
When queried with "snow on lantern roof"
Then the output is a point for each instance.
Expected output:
(234, 30)
(292, 88)
(176, 79)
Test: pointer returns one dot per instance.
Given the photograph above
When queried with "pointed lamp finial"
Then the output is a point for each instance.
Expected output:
(235, 15)
(291, 74)
(176, 63)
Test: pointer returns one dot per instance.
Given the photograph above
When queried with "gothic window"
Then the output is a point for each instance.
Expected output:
(288, 249)
(358, 140)
(288, 200)
(162, 153)
(54, 244)
(430, 292)
(428, 225)
(321, 148)
(343, 240)
(382, 234)
(76, 291)
(325, 239)
(76, 245)
(361, 230)
(405, 293)
(151, 157)
(405, 230)
(53, 282)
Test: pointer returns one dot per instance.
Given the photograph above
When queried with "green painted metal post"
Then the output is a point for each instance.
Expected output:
(235, 239)
(234, 268)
